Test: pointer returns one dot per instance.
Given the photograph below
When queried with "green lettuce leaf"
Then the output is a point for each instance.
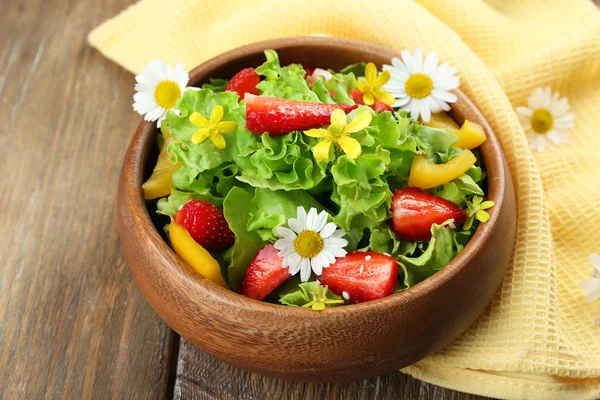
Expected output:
(357, 69)
(216, 85)
(211, 185)
(437, 143)
(384, 240)
(282, 163)
(169, 205)
(363, 197)
(303, 297)
(459, 190)
(340, 84)
(237, 208)
(440, 250)
(283, 82)
(274, 208)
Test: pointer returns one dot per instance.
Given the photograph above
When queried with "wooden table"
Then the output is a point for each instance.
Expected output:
(72, 322)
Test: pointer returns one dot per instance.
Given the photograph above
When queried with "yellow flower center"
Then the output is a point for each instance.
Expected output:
(541, 121)
(167, 93)
(308, 244)
(419, 86)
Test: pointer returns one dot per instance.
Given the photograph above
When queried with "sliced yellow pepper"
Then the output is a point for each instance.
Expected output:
(426, 175)
(471, 135)
(195, 255)
(442, 120)
(160, 182)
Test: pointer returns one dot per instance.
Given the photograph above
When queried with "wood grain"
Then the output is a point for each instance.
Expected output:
(72, 322)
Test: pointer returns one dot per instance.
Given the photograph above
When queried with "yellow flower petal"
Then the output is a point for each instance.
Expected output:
(368, 99)
(321, 150)
(318, 306)
(371, 72)
(468, 223)
(386, 97)
(216, 115)
(200, 135)
(482, 216)
(338, 118)
(198, 119)
(487, 204)
(218, 140)
(383, 78)
(227, 126)
(360, 122)
(350, 146)
(362, 86)
(318, 133)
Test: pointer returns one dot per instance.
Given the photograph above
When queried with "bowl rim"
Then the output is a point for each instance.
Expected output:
(142, 140)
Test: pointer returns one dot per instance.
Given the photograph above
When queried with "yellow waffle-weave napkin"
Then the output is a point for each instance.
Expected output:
(538, 338)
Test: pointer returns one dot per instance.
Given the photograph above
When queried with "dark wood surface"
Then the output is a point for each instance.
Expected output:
(72, 322)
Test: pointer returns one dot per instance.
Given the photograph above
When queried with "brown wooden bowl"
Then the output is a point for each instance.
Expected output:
(342, 343)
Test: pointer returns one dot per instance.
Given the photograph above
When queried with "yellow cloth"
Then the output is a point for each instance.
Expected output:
(538, 338)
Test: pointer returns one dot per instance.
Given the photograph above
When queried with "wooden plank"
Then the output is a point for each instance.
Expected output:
(72, 322)
(202, 377)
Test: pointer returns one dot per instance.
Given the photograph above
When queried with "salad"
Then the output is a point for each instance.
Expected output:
(310, 187)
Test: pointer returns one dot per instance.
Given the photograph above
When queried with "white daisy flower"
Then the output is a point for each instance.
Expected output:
(546, 120)
(158, 88)
(591, 286)
(421, 87)
(310, 244)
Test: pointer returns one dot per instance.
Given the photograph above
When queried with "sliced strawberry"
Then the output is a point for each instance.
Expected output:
(206, 224)
(281, 116)
(378, 106)
(361, 276)
(244, 82)
(264, 274)
(414, 211)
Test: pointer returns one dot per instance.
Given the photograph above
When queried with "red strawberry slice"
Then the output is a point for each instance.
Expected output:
(308, 71)
(361, 276)
(206, 225)
(244, 82)
(281, 116)
(414, 211)
(264, 274)
(378, 106)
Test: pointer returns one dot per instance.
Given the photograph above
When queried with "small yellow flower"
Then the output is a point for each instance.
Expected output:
(319, 299)
(339, 134)
(372, 86)
(475, 210)
(212, 128)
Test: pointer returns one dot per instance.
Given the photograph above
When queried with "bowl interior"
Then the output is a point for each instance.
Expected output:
(335, 54)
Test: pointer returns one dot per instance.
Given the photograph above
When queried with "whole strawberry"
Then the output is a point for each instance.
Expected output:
(206, 224)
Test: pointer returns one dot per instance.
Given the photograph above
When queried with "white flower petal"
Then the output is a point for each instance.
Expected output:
(296, 224)
(285, 232)
(321, 221)
(340, 242)
(595, 260)
(328, 255)
(591, 289)
(408, 61)
(430, 63)
(418, 60)
(526, 111)
(335, 250)
(311, 219)
(305, 269)
(443, 95)
(328, 230)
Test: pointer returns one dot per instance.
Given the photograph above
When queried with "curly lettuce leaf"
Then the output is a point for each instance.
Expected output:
(363, 196)
(283, 82)
(437, 143)
(282, 163)
(335, 90)
(169, 205)
(237, 208)
(459, 190)
(197, 158)
(440, 250)
(211, 185)
(274, 208)
(357, 69)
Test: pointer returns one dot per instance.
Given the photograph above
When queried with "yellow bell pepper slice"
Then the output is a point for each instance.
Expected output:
(195, 255)
(160, 182)
(470, 136)
(427, 175)
(442, 120)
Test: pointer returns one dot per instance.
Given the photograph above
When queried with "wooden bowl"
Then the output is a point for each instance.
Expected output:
(342, 343)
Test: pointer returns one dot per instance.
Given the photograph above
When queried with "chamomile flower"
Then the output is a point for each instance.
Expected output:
(546, 120)
(311, 244)
(158, 88)
(591, 286)
(421, 87)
